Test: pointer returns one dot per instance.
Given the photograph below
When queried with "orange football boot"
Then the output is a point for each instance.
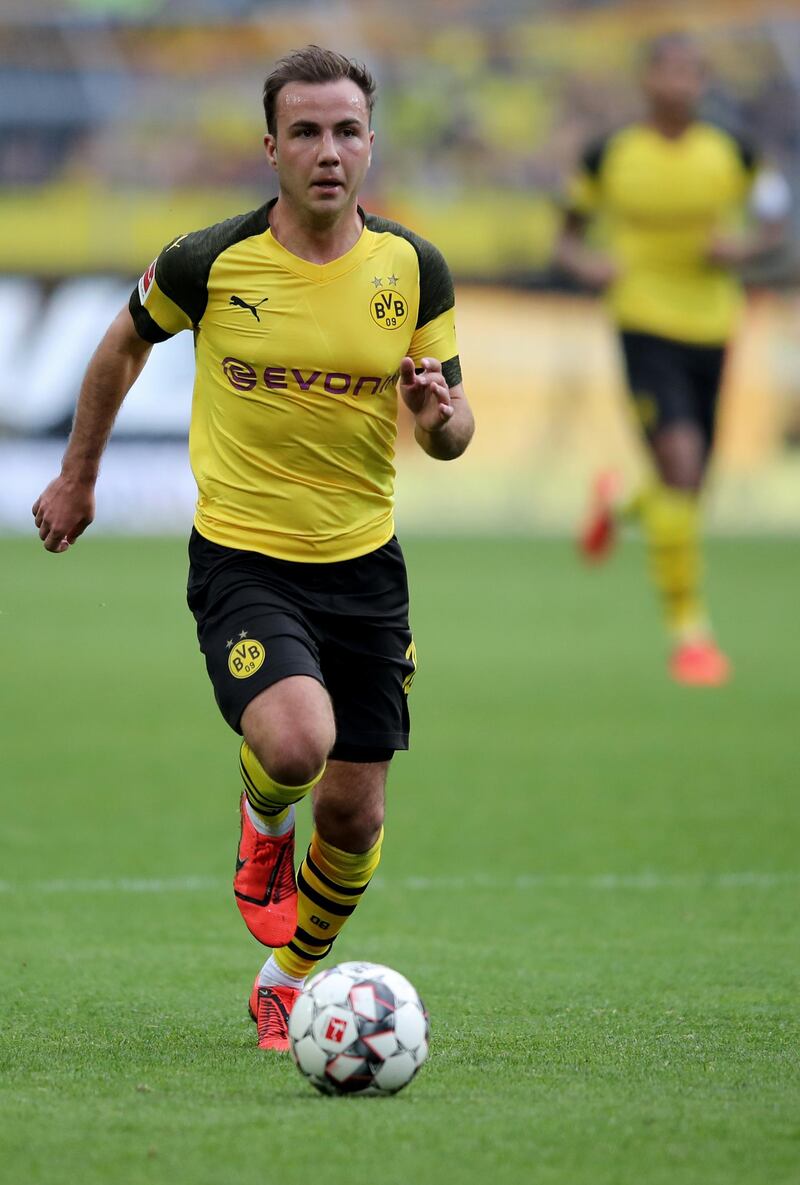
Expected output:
(700, 664)
(264, 884)
(270, 1008)
(599, 533)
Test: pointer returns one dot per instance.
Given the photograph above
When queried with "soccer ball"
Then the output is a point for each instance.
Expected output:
(359, 1028)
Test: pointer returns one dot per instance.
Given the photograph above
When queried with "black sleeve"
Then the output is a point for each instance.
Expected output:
(436, 292)
(747, 152)
(593, 156)
(173, 292)
(451, 369)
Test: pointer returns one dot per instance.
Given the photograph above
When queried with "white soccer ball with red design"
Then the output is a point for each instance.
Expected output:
(359, 1028)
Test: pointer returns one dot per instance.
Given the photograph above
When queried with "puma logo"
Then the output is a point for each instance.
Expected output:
(238, 303)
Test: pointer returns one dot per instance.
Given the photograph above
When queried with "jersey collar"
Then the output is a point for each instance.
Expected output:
(319, 272)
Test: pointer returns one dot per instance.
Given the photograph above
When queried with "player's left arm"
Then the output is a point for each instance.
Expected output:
(769, 204)
(430, 381)
(444, 423)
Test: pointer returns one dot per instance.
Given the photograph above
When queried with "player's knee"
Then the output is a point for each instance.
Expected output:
(295, 755)
(681, 457)
(290, 734)
(297, 758)
(686, 476)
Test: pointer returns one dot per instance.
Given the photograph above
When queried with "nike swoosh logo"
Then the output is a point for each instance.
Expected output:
(241, 863)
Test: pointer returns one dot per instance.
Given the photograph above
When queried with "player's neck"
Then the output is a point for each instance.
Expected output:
(320, 241)
(671, 124)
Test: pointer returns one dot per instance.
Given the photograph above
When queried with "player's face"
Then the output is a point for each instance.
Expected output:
(675, 81)
(322, 146)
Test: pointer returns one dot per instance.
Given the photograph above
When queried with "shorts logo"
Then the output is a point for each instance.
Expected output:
(388, 309)
(245, 658)
(411, 655)
(146, 282)
(647, 408)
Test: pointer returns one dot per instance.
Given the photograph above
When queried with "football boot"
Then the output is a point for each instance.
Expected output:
(264, 883)
(270, 1006)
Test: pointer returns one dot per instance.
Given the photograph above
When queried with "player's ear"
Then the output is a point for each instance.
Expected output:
(271, 146)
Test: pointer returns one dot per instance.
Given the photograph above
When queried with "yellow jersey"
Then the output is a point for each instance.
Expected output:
(661, 200)
(294, 412)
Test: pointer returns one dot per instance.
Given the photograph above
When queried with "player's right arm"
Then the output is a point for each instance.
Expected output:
(587, 265)
(170, 297)
(66, 507)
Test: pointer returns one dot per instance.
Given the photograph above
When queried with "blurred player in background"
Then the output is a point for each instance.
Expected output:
(672, 191)
(309, 316)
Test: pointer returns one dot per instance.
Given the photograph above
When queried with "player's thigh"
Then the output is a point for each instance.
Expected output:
(251, 633)
(707, 374)
(369, 667)
(659, 381)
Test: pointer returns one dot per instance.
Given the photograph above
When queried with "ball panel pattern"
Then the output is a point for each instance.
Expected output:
(410, 1026)
(301, 1016)
(333, 989)
(359, 1028)
(396, 1073)
(310, 1059)
(399, 986)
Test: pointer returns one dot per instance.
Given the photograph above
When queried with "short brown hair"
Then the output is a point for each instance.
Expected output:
(314, 64)
(659, 47)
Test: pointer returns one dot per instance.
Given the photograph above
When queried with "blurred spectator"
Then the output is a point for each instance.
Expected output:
(148, 96)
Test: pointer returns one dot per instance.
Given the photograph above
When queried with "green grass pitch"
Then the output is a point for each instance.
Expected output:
(591, 875)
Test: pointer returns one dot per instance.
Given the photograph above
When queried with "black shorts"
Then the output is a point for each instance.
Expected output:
(673, 382)
(261, 619)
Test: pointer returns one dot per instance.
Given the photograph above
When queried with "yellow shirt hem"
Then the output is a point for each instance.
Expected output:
(297, 550)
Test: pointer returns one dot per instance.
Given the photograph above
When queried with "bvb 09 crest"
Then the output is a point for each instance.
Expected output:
(388, 308)
(245, 658)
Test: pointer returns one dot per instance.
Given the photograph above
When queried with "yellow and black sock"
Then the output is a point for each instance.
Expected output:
(269, 799)
(330, 884)
(671, 521)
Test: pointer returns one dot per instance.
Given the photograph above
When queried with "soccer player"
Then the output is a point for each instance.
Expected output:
(308, 317)
(671, 190)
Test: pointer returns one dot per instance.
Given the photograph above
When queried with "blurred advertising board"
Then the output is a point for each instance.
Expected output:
(542, 372)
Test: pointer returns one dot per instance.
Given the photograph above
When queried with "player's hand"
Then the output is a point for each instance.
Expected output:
(426, 395)
(729, 250)
(63, 512)
(597, 270)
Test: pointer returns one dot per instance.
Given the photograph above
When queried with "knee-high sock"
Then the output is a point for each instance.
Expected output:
(268, 798)
(671, 521)
(330, 884)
